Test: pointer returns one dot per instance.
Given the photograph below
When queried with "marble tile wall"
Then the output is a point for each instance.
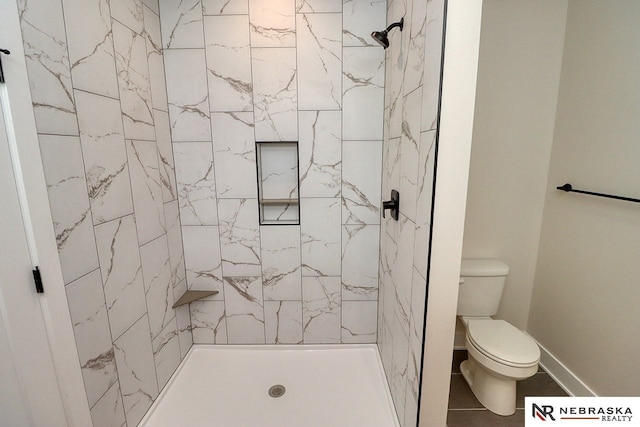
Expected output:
(413, 63)
(97, 78)
(242, 71)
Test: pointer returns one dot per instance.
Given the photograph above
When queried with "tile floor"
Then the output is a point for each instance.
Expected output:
(466, 411)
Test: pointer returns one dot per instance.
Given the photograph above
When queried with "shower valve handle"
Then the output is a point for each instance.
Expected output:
(393, 205)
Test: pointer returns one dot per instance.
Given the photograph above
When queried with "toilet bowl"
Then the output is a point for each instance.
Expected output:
(499, 353)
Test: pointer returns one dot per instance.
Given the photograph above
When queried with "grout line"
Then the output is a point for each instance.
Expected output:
(98, 94)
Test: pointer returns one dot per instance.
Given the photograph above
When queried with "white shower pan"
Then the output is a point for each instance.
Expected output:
(228, 386)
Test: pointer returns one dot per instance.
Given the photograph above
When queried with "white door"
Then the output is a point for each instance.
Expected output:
(29, 392)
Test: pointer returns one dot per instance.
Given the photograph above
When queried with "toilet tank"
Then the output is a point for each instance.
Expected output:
(481, 285)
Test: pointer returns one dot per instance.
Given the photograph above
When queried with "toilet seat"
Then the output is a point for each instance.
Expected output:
(503, 343)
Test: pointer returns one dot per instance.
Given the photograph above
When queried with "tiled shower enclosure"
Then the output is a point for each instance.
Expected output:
(148, 114)
(240, 72)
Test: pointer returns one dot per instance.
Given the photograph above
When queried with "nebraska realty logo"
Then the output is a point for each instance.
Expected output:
(582, 411)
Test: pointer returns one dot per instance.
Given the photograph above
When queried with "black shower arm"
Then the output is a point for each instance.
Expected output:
(396, 24)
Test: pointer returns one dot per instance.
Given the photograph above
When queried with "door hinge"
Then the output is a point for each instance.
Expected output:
(37, 277)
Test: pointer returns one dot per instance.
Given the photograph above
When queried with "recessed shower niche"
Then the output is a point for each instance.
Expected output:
(278, 186)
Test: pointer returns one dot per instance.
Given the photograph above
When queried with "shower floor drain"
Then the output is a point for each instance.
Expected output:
(277, 390)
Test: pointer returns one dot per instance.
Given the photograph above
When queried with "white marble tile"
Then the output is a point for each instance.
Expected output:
(209, 322)
(202, 258)
(136, 370)
(384, 344)
(129, 13)
(381, 275)
(283, 322)
(235, 155)
(410, 409)
(320, 153)
(359, 321)
(105, 156)
(361, 178)
(363, 93)
(183, 320)
(398, 368)
(228, 63)
(196, 183)
(432, 64)
(393, 99)
(166, 353)
(360, 19)
(321, 240)
(402, 274)
(67, 190)
(416, 330)
(146, 188)
(318, 6)
(272, 23)
(91, 330)
(47, 58)
(319, 47)
(413, 72)
(390, 165)
(174, 241)
(409, 154)
(90, 42)
(387, 292)
(321, 310)
(382, 286)
(396, 60)
(244, 309)
(108, 411)
(239, 237)
(425, 200)
(391, 309)
(281, 269)
(117, 245)
(186, 74)
(157, 284)
(153, 5)
(155, 59)
(181, 24)
(360, 262)
(275, 94)
(166, 164)
(225, 7)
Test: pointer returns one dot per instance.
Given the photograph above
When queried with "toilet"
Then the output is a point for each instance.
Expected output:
(499, 353)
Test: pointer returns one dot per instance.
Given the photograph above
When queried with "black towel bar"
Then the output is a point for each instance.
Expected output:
(569, 188)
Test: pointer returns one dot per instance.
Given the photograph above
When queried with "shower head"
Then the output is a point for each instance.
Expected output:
(381, 36)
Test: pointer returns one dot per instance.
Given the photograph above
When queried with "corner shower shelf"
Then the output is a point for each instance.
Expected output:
(191, 296)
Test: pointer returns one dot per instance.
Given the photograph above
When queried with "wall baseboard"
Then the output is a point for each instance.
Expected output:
(562, 375)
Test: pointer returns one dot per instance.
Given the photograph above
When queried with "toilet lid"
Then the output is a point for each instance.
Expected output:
(503, 342)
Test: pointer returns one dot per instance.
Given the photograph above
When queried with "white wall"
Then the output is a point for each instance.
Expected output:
(518, 76)
(586, 296)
